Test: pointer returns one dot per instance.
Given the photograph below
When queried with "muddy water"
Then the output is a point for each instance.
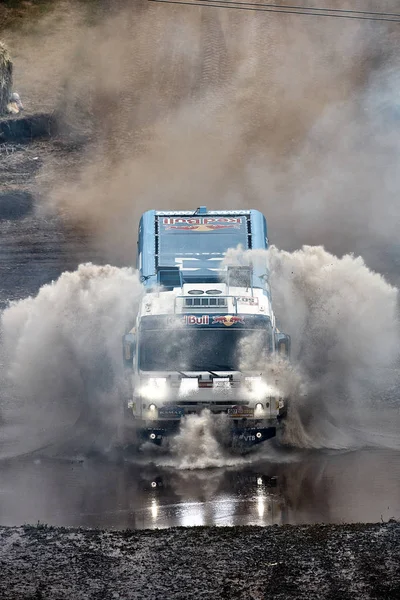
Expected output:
(303, 488)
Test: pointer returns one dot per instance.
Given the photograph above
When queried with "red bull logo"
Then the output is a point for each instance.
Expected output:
(201, 223)
(228, 320)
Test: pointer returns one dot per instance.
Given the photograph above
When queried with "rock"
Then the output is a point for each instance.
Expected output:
(12, 108)
(15, 106)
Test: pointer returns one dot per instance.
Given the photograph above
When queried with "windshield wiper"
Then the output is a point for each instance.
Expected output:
(187, 376)
(213, 373)
(216, 374)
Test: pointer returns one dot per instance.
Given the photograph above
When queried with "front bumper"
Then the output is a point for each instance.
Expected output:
(242, 434)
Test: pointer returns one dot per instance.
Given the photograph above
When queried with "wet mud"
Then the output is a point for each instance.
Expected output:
(318, 562)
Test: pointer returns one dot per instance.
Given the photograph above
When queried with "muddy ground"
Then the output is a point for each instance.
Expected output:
(36, 246)
(335, 562)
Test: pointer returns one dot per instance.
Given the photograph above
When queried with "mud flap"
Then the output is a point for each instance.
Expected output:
(156, 435)
(248, 437)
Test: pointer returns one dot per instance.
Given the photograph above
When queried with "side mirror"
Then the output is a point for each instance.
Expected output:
(129, 349)
(282, 344)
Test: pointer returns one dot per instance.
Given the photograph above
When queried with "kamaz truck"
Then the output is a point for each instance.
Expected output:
(205, 332)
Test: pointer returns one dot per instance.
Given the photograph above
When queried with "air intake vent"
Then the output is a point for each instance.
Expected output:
(206, 302)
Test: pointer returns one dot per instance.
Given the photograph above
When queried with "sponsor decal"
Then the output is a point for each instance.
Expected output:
(249, 300)
(171, 412)
(246, 437)
(196, 320)
(241, 412)
(205, 383)
(228, 320)
(202, 223)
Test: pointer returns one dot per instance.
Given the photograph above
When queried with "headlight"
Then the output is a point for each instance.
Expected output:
(188, 386)
(155, 388)
(258, 390)
(152, 407)
(259, 407)
(251, 381)
(254, 386)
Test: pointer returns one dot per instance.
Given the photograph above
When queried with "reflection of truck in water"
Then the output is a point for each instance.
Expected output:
(205, 330)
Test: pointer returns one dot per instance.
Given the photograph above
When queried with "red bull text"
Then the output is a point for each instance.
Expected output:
(196, 320)
(201, 223)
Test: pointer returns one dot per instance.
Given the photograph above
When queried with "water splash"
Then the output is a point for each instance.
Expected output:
(63, 359)
(345, 341)
(200, 444)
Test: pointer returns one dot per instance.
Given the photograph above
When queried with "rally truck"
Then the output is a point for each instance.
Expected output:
(205, 331)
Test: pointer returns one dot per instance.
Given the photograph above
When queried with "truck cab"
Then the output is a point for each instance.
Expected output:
(205, 331)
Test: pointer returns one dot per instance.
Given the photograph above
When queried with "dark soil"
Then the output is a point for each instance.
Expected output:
(332, 562)
(36, 245)
(15, 204)
(24, 129)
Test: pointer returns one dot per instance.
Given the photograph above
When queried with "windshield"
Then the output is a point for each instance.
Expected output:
(198, 242)
(205, 349)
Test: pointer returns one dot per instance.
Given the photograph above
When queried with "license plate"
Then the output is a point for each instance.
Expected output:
(242, 412)
(222, 383)
(172, 412)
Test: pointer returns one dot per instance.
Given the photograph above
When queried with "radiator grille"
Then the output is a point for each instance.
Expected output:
(205, 302)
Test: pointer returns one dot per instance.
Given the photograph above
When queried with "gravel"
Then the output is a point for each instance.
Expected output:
(357, 561)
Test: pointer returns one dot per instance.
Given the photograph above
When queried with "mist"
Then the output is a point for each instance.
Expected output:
(183, 106)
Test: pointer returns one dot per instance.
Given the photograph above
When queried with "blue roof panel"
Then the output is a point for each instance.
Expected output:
(199, 242)
(196, 243)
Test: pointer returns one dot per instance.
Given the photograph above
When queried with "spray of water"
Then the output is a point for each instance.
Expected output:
(63, 350)
(200, 444)
(64, 358)
(343, 321)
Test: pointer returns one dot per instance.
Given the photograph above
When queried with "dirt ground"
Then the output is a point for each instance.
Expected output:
(332, 562)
